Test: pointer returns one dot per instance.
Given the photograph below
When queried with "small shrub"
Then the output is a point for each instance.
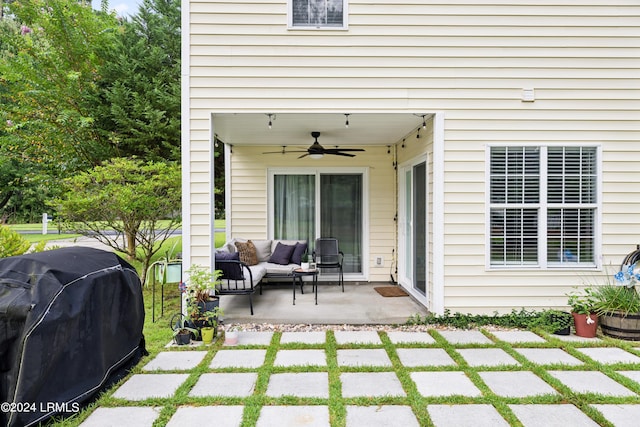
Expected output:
(12, 243)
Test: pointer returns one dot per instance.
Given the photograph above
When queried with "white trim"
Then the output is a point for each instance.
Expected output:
(227, 192)
(343, 27)
(186, 136)
(317, 172)
(437, 273)
(212, 194)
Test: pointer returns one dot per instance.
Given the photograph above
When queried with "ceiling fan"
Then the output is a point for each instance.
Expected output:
(316, 151)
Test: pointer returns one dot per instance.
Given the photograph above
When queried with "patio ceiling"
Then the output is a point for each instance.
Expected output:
(294, 129)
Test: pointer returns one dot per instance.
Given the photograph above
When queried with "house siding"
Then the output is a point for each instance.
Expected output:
(469, 60)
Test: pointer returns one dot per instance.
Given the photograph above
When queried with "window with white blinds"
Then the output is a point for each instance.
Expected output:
(542, 206)
(317, 13)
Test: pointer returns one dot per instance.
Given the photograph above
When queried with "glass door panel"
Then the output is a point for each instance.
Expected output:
(341, 215)
(420, 228)
(294, 207)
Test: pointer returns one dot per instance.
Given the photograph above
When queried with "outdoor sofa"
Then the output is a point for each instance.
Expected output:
(247, 264)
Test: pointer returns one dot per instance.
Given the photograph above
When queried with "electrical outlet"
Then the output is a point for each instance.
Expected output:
(379, 261)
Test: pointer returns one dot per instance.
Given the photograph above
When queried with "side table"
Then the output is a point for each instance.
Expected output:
(298, 274)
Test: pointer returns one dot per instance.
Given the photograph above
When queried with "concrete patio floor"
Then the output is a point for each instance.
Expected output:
(358, 304)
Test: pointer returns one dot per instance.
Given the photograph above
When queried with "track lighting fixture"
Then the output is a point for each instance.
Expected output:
(346, 123)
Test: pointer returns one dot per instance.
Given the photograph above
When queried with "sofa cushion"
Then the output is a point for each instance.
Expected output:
(279, 269)
(300, 249)
(263, 249)
(257, 273)
(282, 254)
(232, 271)
(248, 253)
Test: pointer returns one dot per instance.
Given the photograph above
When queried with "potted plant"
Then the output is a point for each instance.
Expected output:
(203, 307)
(618, 304)
(555, 322)
(231, 335)
(182, 332)
(305, 261)
(169, 268)
(582, 309)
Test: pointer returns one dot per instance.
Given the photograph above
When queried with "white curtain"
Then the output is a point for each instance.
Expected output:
(294, 207)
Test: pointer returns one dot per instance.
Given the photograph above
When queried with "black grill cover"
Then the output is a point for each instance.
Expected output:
(71, 324)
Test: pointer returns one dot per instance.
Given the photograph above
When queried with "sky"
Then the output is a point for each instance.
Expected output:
(122, 7)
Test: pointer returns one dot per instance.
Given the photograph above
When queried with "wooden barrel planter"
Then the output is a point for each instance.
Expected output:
(619, 326)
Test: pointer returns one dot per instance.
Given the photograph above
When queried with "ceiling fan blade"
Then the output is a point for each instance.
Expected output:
(304, 155)
(337, 153)
(327, 150)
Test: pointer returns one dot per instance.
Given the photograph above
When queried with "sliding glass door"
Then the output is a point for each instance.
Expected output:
(321, 204)
(413, 227)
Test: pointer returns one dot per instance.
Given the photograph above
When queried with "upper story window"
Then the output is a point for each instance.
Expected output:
(317, 13)
(543, 206)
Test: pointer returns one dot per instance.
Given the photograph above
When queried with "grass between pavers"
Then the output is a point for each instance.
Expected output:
(337, 404)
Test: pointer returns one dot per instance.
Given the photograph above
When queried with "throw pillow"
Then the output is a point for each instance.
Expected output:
(300, 249)
(282, 254)
(247, 252)
(230, 270)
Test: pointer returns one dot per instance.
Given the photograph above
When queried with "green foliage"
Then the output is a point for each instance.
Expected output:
(124, 203)
(138, 105)
(612, 298)
(49, 65)
(583, 302)
(547, 320)
(12, 243)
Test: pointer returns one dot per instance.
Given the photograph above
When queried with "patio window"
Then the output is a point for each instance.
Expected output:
(543, 203)
(317, 13)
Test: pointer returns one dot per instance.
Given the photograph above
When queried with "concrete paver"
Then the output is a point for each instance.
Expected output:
(518, 336)
(371, 384)
(254, 338)
(123, 416)
(311, 337)
(548, 356)
(412, 357)
(632, 375)
(238, 358)
(145, 386)
(608, 355)
(487, 357)
(444, 384)
(300, 358)
(236, 384)
(307, 416)
(473, 415)
(591, 382)
(299, 384)
(357, 337)
(381, 416)
(399, 337)
(224, 416)
(516, 383)
(465, 337)
(363, 357)
(175, 360)
(620, 415)
(561, 415)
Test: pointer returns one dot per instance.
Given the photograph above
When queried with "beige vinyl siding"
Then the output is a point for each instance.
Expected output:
(470, 60)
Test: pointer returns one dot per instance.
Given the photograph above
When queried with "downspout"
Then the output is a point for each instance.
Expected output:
(185, 149)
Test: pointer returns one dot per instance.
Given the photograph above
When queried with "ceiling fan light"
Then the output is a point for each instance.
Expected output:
(316, 156)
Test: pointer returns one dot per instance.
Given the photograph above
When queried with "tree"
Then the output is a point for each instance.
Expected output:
(126, 204)
(138, 105)
(48, 66)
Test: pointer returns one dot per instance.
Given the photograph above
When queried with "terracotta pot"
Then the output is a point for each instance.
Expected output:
(584, 327)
